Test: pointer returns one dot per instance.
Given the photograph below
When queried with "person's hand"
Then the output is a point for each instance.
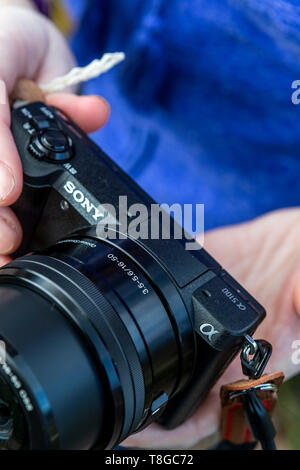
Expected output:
(31, 47)
(264, 256)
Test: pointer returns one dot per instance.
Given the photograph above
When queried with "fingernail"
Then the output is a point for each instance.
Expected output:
(8, 233)
(7, 181)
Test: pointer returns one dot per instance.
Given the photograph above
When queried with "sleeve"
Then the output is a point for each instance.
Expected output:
(43, 6)
(57, 12)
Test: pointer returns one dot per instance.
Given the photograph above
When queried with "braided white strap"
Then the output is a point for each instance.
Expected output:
(82, 74)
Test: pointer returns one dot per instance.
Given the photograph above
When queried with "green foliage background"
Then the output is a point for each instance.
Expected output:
(288, 415)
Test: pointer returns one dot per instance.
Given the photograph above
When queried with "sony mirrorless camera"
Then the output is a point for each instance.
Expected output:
(104, 332)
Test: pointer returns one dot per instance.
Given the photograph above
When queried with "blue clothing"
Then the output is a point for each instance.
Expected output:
(201, 108)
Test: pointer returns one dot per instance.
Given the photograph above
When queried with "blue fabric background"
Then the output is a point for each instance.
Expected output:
(201, 109)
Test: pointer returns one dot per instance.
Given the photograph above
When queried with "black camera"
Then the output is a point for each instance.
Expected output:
(104, 332)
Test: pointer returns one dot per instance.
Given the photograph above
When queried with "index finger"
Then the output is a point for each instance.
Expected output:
(11, 175)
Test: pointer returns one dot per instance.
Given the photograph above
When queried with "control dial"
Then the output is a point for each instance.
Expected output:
(52, 145)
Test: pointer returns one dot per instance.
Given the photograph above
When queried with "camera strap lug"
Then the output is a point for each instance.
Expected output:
(255, 356)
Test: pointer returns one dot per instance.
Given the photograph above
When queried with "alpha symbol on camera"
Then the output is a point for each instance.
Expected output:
(208, 330)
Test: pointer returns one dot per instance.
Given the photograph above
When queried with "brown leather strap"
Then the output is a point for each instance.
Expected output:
(26, 90)
(234, 426)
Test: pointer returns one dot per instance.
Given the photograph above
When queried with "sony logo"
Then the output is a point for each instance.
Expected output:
(81, 199)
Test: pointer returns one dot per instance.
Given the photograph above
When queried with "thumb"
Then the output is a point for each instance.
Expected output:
(30, 47)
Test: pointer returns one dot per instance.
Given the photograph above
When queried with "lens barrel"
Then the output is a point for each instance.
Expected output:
(49, 372)
(98, 341)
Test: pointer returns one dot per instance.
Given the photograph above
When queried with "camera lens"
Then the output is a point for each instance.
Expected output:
(98, 340)
(6, 423)
(48, 378)
(13, 434)
(4, 414)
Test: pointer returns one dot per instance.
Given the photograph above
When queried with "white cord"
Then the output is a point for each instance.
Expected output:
(82, 74)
